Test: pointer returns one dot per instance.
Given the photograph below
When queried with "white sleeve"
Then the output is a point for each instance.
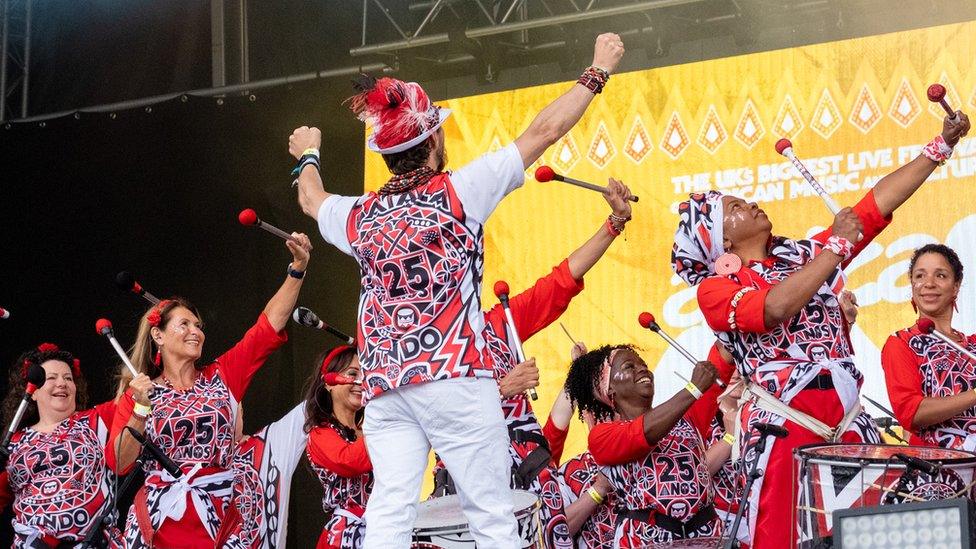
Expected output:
(332, 217)
(485, 181)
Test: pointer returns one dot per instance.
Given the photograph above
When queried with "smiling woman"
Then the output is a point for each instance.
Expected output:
(56, 497)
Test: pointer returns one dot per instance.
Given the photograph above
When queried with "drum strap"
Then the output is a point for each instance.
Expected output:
(771, 404)
(531, 466)
(681, 529)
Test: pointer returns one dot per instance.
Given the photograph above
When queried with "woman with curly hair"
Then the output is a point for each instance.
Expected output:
(654, 457)
(336, 447)
(189, 410)
(56, 475)
(932, 387)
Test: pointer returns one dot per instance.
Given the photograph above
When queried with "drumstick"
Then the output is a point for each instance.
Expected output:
(501, 291)
(647, 320)
(936, 93)
(785, 148)
(565, 331)
(545, 173)
(249, 217)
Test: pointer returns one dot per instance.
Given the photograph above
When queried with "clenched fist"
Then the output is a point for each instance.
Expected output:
(304, 138)
(607, 52)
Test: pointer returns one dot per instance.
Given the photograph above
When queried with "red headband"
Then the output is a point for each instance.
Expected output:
(50, 348)
(324, 368)
(155, 316)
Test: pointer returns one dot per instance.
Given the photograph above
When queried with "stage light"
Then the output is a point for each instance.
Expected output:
(942, 524)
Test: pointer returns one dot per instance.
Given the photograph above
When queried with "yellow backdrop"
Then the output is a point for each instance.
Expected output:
(855, 110)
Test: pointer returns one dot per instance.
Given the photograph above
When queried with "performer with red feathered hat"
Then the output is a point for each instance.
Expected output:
(419, 243)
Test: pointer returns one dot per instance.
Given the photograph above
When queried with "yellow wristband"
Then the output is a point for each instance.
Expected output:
(311, 151)
(141, 410)
(694, 390)
(730, 438)
(595, 496)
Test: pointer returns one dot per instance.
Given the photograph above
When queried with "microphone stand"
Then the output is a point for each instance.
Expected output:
(755, 472)
(105, 518)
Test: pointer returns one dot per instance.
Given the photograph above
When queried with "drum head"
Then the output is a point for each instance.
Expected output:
(444, 515)
(881, 453)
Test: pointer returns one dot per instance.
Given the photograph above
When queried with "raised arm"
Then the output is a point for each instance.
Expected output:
(895, 188)
(280, 306)
(562, 114)
(585, 257)
(311, 193)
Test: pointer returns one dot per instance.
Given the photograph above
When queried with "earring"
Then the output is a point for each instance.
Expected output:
(727, 264)
(158, 358)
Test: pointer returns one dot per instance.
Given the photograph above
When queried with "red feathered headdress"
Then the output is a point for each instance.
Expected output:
(400, 113)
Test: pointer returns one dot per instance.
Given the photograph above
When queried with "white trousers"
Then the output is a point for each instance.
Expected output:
(462, 419)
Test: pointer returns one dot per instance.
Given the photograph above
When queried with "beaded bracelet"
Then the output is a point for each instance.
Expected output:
(594, 79)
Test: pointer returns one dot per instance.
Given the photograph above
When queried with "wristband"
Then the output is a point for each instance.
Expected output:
(840, 246)
(141, 411)
(694, 390)
(614, 232)
(730, 438)
(937, 150)
(294, 273)
(595, 496)
(311, 151)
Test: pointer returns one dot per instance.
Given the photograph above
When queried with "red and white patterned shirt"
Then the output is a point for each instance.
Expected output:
(346, 474)
(917, 366)
(576, 476)
(421, 256)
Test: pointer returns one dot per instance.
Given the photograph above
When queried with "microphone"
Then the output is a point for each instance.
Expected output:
(157, 453)
(249, 217)
(937, 93)
(647, 321)
(35, 379)
(104, 327)
(127, 283)
(334, 378)
(768, 429)
(307, 318)
(927, 326)
(501, 292)
(545, 173)
(927, 467)
(4, 313)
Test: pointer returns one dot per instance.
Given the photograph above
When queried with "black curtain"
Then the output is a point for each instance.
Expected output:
(157, 192)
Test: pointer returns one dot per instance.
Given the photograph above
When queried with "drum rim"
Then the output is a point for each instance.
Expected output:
(465, 527)
(802, 452)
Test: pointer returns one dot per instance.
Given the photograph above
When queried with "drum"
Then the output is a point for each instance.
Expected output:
(693, 543)
(441, 524)
(845, 476)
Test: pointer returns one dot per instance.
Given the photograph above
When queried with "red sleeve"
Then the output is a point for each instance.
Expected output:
(618, 442)
(347, 459)
(556, 438)
(703, 411)
(904, 380)
(715, 297)
(6, 496)
(123, 411)
(238, 365)
(872, 220)
(540, 305)
(106, 412)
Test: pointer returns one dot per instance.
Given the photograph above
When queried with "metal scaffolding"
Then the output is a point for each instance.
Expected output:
(15, 39)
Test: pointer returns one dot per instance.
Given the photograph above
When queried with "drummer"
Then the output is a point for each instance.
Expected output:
(932, 387)
(653, 457)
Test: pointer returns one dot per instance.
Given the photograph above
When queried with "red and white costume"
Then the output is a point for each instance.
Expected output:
(420, 253)
(263, 465)
(195, 428)
(346, 473)
(576, 476)
(663, 492)
(918, 366)
(59, 482)
(533, 467)
(787, 365)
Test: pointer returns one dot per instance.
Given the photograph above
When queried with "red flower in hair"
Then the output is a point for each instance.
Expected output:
(48, 348)
(24, 367)
(156, 315)
(76, 367)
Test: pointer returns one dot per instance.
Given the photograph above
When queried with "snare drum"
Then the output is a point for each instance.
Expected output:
(441, 523)
(845, 476)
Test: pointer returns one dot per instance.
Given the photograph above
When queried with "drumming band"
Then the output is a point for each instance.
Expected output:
(432, 369)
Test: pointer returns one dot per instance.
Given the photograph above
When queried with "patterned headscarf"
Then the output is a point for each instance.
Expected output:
(603, 390)
(698, 240)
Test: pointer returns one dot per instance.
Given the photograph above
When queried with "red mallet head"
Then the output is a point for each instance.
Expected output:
(333, 378)
(501, 288)
(544, 173)
(936, 93)
(782, 145)
(248, 217)
(647, 321)
(103, 326)
(926, 326)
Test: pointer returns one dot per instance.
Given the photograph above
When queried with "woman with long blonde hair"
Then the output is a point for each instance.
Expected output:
(189, 411)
